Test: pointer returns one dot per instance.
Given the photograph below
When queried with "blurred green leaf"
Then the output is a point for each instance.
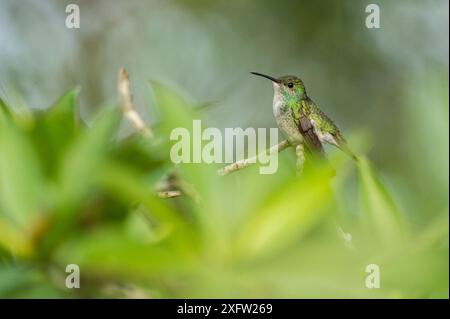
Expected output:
(19, 282)
(143, 154)
(127, 186)
(12, 279)
(20, 175)
(380, 212)
(4, 109)
(173, 108)
(113, 252)
(13, 239)
(200, 180)
(85, 157)
(82, 161)
(426, 124)
(55, 129)
(289, 214)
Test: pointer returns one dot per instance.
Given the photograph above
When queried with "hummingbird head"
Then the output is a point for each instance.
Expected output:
(288, 87)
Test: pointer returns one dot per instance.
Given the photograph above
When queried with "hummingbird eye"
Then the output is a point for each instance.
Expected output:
(290, 85)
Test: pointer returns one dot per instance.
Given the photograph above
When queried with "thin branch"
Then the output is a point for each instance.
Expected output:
(252, 160)
(126, 103)
(169, 194)
(173, 183)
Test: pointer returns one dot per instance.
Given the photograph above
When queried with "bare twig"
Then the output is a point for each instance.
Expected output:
(252, 160)
(169, 194)
(126, 102)
(172, 183)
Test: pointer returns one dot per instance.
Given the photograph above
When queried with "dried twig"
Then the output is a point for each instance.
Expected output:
(126, 103)
(169, 194)
(252, 160)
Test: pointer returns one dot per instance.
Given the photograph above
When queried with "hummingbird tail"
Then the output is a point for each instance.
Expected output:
(344, 147)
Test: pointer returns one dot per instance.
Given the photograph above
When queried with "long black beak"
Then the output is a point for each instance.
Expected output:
(266, 76)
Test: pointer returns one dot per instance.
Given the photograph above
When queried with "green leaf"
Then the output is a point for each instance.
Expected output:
(84, 158)
(286, 216)
(112, 252)
(174, 109)
(13, 239)
(12, 279)
(19, 282)
(4, 109)
(138, 150)
(200, 179)
(80, 164)
(380, 212)
(20, 175)
(55, 129)
(62, 118)
(126, 185)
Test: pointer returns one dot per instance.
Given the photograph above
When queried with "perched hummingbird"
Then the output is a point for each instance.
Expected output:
(300, 118)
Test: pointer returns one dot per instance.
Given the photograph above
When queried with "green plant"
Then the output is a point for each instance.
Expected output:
(77, 193)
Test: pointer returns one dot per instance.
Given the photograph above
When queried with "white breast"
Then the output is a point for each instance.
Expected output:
(286, 122)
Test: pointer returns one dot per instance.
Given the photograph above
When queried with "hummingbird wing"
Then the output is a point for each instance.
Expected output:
(327, 131)
(306, 128)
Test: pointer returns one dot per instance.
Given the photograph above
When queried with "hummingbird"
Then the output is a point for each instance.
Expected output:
(300, 119)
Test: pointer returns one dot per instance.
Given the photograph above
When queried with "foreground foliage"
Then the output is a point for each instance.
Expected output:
(77, 193)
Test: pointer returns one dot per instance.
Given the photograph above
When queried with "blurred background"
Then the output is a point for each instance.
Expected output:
(386, 88)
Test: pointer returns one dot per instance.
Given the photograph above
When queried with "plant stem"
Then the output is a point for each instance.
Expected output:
(126, 102)
(252, 160)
